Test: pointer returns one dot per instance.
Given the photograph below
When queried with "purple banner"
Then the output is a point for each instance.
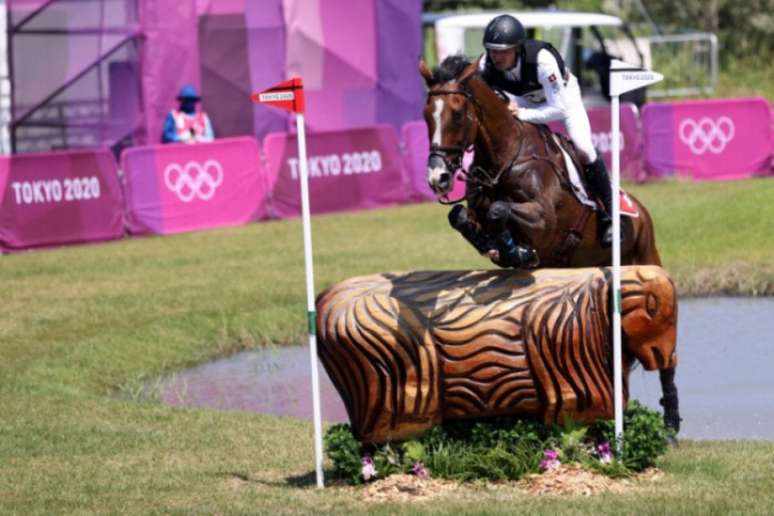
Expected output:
(348, 170)
(59, 198)
(176, 188)
(602, 138)
(358, 61)
(717, 139)
(417, 147)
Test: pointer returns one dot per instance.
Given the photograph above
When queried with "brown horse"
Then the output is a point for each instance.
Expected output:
(518, 180)
(518, 187)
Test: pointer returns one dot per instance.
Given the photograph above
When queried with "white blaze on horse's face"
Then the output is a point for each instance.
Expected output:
(438, 178)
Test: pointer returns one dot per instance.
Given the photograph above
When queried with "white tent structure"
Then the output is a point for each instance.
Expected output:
(5, 84)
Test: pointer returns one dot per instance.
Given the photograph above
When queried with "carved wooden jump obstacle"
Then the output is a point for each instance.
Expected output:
(407, 351)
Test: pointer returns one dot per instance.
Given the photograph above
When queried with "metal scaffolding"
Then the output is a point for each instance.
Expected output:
(74, 74)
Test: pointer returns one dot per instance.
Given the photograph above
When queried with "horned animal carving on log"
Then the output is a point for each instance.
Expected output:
(408, 351)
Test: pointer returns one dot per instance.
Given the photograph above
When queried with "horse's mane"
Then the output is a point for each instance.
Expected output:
(450, 68)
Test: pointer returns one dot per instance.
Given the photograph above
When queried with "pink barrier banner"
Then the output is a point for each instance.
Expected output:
(417, 147)
(602, 138)
(59, 198)
(718, 139)
(179, 187)
(348, 170)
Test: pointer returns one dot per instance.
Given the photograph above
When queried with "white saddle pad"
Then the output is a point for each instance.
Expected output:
(575, 180)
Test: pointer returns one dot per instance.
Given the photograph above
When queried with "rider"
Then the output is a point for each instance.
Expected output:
(542, 90)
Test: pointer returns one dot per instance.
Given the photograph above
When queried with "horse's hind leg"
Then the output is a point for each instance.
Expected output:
(459, 219)
(669, 400)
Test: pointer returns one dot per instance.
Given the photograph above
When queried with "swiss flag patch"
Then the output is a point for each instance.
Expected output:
(628, 207)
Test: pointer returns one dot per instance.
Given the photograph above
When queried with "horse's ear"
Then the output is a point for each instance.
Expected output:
(468, 72)
(425, 72)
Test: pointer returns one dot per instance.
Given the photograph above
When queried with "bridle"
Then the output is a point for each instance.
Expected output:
(442, 151)
(478, 177)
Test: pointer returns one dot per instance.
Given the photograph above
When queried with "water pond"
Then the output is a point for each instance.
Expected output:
(725, 381)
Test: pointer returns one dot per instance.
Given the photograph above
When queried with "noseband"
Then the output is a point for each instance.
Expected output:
(442, 151)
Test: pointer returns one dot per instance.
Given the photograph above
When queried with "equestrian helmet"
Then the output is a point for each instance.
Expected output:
(504, 32)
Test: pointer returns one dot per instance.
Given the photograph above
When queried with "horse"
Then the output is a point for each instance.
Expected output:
(518, 180)
(519, 186)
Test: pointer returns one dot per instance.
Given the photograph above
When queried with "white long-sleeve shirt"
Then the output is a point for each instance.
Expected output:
(559, 98)
(549, 103)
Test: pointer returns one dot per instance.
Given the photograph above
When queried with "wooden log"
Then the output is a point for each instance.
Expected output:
(407, 351)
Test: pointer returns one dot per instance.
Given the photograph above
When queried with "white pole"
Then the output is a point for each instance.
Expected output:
(310, 307)
(617, 368)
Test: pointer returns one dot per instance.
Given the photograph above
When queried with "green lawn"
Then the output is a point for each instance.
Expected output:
(82, 326)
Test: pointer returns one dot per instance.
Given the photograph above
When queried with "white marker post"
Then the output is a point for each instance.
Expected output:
(290, 95)
(623, 77)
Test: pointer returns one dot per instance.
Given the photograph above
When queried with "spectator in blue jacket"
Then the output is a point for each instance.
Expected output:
(185, 124)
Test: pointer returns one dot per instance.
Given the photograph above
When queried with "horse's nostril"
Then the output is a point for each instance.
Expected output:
(445, 177)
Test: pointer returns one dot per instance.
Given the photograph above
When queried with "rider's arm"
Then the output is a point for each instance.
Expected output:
(551, 78)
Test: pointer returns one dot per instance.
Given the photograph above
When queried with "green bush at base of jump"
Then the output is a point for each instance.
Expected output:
(502, 448)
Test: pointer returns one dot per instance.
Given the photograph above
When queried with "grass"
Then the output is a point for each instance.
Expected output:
(81, 324)
(715, 238)
(746, 78)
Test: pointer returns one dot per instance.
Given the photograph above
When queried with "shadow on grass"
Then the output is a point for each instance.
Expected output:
(303, 480)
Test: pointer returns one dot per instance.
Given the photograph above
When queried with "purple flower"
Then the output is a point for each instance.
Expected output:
(420, 470)
(550, 460)
(369, 469)
(604, 453)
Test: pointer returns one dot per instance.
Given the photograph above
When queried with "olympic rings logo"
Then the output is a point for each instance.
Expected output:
(707, 134)
(194, 180)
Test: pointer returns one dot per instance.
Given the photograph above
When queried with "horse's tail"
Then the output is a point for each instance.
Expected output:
(644, 251)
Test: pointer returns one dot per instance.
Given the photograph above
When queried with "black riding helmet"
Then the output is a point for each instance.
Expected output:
(504, 32)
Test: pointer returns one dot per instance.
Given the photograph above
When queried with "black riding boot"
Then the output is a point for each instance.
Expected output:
(511, 254)
(599, 184)
(458, 218)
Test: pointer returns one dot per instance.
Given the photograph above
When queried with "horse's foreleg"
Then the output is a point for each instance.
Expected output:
(498, 216)
(669, 400)
(459, 219)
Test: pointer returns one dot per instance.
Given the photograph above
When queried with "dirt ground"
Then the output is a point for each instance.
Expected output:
(570, 480)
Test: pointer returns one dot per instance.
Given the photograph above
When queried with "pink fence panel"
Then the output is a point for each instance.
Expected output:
(602, 137)
(417, 147)
(59, 198)
(718, 139)
(177, 188)
(348, 170)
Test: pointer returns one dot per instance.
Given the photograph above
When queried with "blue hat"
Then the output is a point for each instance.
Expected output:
(188, 92)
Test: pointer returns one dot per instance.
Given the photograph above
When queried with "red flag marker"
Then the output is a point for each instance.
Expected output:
(285, 95)
(290, 95)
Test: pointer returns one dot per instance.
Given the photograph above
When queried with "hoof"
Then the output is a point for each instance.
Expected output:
(527, 258)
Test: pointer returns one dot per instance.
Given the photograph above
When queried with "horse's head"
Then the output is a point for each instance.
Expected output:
(649, 316)
(451, 119)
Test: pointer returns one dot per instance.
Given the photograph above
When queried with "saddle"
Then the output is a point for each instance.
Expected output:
(562, 151)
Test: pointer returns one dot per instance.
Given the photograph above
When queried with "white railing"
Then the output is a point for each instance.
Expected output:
(689, 63)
